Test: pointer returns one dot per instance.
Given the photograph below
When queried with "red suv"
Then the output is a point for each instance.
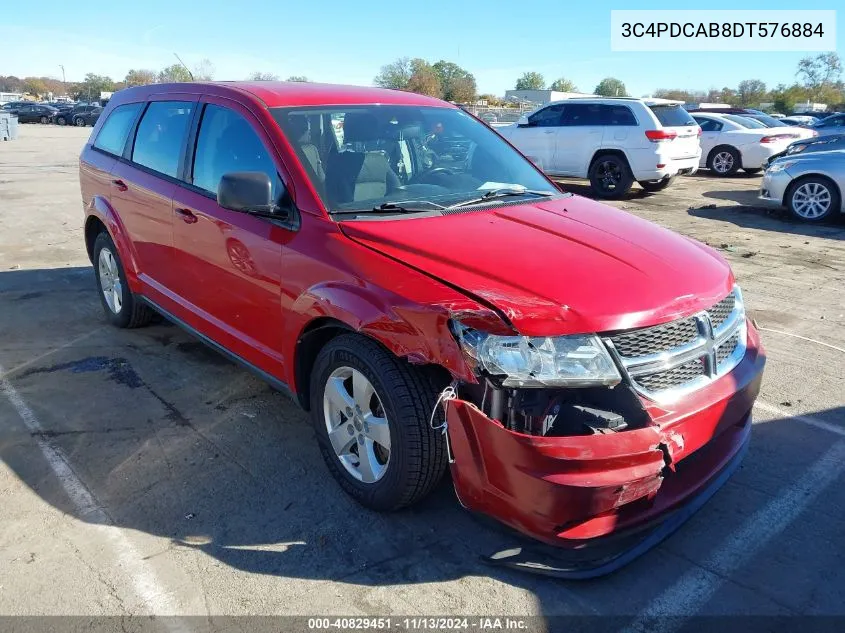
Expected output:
(434, 301)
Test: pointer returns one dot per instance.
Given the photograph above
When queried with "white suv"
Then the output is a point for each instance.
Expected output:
(611, 141)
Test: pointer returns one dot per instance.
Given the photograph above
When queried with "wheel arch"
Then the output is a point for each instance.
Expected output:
(101, 216)
(797, 181)
(604, 151)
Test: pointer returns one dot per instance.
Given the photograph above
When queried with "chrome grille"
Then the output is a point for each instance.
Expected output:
(720, 312)
(667, 360)
(659, 338)
(674, 377)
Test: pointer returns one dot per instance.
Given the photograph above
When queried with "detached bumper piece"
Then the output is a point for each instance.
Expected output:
(610, 553)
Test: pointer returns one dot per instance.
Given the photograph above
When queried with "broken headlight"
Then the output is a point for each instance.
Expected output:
(538, 361)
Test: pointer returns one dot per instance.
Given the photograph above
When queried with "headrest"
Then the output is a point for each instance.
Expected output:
(299, 129)
(360, 127)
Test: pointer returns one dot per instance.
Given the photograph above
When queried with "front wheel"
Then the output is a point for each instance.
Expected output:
(122, 308)
(812, 199)
(610, 176)
(653, 186)
(371, 413)
(61, 120)
(44, 120)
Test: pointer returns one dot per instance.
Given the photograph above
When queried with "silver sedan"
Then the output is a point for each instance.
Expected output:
(809, 185)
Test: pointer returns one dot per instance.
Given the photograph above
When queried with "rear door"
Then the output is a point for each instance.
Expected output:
(711, 131)
(229, 261)
(142, 188)
(673, 117)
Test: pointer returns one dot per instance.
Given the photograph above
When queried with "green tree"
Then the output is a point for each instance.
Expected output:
(530, 81)
(424, 79)
(259, 76)
(611, 87)
(299, 78)
(395, 75)
(563, 85)
(819, 72)
(34, 86)
(92, 86)
(174, 73)
(456, 83)
(139, 77)
(751, 92)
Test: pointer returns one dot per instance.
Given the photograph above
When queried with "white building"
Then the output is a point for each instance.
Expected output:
(810, 107)
(540, 97)
(5, 97)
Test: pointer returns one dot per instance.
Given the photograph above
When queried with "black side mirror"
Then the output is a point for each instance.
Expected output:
(246, 191)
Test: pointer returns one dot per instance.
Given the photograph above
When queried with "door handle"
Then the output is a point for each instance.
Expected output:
(187, 216)
(121, 186)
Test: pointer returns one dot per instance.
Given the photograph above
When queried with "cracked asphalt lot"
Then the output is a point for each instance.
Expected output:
(141, 472)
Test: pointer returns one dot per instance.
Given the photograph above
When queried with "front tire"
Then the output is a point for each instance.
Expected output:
(123, 309)
(371, 414)
(812, 199)
(610, 176)
(724, 161)
(653, 186)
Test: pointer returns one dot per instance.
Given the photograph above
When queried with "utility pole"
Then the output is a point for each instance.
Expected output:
(64, 82)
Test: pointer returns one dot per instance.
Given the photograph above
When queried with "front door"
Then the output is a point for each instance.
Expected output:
(538, 140)
(229, 262)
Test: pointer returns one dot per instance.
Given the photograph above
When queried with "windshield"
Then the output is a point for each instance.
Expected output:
(381, 157)
(744, 121)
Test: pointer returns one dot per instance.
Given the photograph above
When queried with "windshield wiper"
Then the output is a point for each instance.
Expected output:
(503, 193)
(403, 206)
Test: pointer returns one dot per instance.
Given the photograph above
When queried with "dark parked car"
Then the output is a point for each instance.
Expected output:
(69, 115)
(88, 117)
(29, 112)
(811, 145)
(374, 276)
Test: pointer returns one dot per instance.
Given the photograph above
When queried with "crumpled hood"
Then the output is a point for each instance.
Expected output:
(561, 266)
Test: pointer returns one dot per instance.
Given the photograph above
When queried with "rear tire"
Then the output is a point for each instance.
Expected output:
(724, 161)
(653, 186)
(123, 309)
(44, 120)
(404, 398)
(610, 176)
(79, 122)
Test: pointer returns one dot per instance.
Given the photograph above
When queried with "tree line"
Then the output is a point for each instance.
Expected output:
(818, 80)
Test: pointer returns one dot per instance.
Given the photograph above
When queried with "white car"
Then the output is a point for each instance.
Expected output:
(611, 141)
(730, 142)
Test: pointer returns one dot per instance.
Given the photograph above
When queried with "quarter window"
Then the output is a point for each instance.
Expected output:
(708, 125)
(227, 143)
(112, 136)
(161, 133)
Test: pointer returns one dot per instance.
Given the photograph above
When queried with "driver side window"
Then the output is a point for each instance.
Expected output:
(547, 117)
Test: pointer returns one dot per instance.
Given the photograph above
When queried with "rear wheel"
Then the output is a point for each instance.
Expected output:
(122, 308)
(724, 161)
(44, 120)
(79, 122)
(61, 120)
(610, 176)
(653, 186)
(371, 413)
(812, 199)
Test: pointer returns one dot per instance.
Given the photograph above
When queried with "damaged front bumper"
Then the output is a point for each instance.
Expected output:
(604, 499)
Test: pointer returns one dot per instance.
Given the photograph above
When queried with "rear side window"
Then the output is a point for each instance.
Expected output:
(617, 115)
(227, 143)
(112, 136)
(583, 114)
(671, 115)
(160, 136)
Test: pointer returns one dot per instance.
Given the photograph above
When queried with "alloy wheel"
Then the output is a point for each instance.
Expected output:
(357, 425)
(110, 280)
(723, 162)
(609, 175)
(811, 200)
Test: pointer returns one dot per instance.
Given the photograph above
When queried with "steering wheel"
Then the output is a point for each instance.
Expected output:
(440, 170)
